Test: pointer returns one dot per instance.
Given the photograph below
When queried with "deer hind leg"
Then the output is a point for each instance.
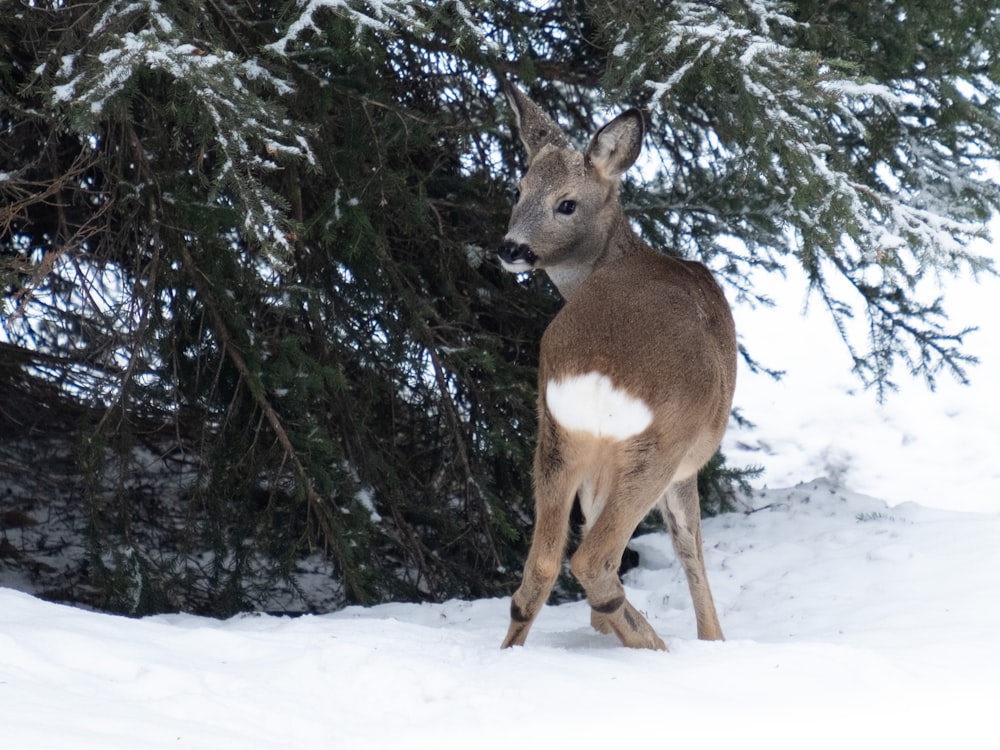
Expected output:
(555, 490)
(682, 514)
(591, 501)
(595, 563)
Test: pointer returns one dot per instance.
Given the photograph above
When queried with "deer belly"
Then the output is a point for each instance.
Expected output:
(592, 403)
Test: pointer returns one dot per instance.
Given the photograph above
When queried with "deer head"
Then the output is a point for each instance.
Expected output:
(567, 208)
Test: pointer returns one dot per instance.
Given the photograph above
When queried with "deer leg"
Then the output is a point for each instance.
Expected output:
(682, 514)
(590, 503)
(595, 565)
(554, 493)
(540, 570)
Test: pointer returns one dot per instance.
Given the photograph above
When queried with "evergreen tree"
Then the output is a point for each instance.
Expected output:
(251, 320)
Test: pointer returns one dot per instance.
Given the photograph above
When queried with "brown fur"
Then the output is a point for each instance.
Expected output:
(661, 330)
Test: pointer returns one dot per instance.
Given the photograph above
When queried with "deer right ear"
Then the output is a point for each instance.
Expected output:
(535, 127)
(615, 147)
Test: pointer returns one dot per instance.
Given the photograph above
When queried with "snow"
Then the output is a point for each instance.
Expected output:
(855, 90)
(858, 590)
(373, 16)
(936, 448)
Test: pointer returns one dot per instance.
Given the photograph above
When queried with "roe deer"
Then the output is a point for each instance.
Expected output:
(635, 376)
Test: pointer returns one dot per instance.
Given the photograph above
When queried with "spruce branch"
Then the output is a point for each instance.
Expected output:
(324, 508)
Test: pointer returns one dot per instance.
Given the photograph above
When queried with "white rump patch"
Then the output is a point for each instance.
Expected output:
(592, 403)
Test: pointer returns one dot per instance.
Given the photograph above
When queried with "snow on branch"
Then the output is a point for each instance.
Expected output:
(374, 14)
(739, 63)
(250, 129)
(378, 15)
(698, 32)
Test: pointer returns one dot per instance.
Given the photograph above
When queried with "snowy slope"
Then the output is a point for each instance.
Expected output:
(937, 448)
(852, 621)
(847, 622)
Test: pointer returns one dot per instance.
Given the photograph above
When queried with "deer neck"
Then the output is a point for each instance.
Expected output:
(619, 242)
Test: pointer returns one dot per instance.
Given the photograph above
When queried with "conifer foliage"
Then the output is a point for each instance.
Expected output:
(252, 328)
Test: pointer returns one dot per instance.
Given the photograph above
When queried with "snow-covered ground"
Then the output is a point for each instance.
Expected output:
(854, 620)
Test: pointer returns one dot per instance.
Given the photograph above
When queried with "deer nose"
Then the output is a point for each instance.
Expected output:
(516, 254)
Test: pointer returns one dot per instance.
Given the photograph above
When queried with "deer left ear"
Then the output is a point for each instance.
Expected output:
(535, 127)
(615, 147)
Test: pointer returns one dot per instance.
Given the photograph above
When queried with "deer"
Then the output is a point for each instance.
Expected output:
(636, 376)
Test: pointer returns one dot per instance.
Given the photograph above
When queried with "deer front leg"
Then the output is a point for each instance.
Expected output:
(682, 514)
(554, 493)
(540, 573)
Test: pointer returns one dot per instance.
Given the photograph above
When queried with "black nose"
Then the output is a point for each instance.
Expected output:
(512, 252)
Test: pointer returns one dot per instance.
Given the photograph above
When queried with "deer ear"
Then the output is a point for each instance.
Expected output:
(534, 126)
(615, 147)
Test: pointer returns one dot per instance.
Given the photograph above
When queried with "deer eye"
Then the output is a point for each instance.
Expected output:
(567, 207)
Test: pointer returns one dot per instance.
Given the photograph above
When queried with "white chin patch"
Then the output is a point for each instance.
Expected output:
(591, 403)
(520, 266)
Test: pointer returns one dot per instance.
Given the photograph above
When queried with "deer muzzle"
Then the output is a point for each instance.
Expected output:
(516, 257)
